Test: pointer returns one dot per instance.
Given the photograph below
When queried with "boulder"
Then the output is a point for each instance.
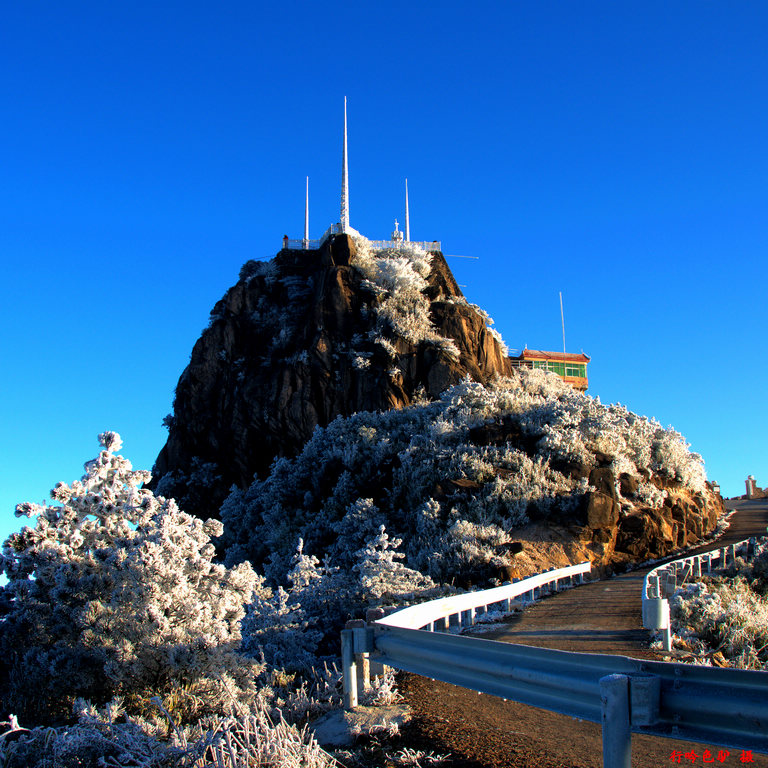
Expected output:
(601, 510)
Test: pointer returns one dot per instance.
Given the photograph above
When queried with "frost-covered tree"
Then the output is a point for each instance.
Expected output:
(381, 574)
(289, 628)
(114, 592)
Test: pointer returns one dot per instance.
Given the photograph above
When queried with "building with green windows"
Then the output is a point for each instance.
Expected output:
(569, 367)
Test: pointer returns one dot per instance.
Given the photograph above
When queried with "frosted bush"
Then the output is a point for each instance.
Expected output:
(403, 469)
(253, 739)
(416, 758)
(727, 614)
(478, 543)
(277, 632)
(386, 345)
(93, 741)
(381, 575)
(383, 690)
(650, 495)
(398, 276)
(114, 592)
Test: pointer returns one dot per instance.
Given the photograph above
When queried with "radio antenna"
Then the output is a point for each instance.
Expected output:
(562, 319)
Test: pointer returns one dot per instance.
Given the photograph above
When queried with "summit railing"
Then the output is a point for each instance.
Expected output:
(313, 245)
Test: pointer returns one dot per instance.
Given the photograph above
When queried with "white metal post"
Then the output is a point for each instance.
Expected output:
(617, 735)
(349, 668)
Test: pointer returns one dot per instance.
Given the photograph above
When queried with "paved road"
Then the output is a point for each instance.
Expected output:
(599, 617)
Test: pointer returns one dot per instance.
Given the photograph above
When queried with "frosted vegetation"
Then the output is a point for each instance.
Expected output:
(723, 619)
(374, 469)
(117, 620)
(138, 635)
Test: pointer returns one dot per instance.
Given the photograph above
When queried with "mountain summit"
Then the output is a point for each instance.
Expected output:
(309, 336)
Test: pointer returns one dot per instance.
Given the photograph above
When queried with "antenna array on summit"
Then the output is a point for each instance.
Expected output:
(343, 226)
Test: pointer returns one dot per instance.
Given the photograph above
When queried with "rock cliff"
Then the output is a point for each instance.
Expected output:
(304, 338)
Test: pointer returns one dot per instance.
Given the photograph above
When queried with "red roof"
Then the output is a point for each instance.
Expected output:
(538, 354)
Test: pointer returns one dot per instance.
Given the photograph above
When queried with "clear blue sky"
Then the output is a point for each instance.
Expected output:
(612, 151)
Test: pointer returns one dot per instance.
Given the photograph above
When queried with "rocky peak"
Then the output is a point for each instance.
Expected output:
(309, 336)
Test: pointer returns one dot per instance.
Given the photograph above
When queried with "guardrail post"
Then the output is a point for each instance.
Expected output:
(376, 668)
(644, 699)
(666, 636)
(617, 736)
(361, 647)
(349, 668)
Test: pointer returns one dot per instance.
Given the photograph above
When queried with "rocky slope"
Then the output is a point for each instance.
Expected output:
(302, 339)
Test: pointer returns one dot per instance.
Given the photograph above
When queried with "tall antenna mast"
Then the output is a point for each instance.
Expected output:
(407, 218)
(306, 218)
(562, 319)
(344, 179)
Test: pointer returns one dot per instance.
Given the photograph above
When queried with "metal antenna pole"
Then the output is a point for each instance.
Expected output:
(344, 178)
(407, 217)
(562, 319)
(306, 217)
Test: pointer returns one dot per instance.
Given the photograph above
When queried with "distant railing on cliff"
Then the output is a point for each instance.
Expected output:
(313, 245)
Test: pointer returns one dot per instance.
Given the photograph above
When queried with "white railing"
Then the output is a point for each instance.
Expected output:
(728, 707)
(427, 245)
(461, 610)
(313, 245)
(301, 245)
(661, 583)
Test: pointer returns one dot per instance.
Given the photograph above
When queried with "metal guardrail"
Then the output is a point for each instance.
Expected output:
(301, 245)
(427, 245)
(661, 583)
(313, 245)
(719, 706)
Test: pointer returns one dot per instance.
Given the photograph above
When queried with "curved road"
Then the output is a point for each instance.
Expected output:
(598, 617)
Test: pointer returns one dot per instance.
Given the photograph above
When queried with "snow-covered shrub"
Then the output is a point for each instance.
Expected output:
(398, 276)
(418, 472)
(650, 495)
(258, 738)
(114, 592)
(96, 739)
(283, 627)
(727, 615)
(382, 576)
(276, 631)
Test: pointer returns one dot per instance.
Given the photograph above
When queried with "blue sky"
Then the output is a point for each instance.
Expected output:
(612, 151)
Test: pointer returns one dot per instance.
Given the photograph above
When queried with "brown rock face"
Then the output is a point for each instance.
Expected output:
(292, 345)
